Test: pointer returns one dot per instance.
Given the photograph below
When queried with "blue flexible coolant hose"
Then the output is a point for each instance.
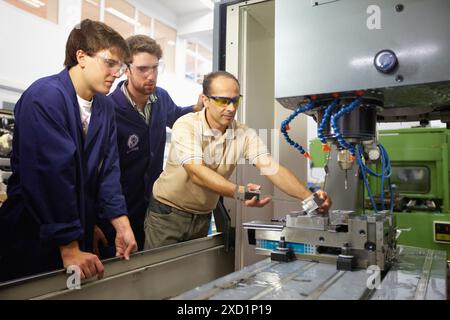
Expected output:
(285, 124)
(325, 119)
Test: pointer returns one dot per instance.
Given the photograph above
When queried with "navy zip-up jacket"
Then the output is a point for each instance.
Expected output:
(62, 181)
(141, 152)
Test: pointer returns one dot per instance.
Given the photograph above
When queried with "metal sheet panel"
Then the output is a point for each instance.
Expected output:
(329, 48)
(153, 274)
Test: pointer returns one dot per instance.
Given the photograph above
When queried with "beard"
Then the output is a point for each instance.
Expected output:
(144, 88)
(148, 88)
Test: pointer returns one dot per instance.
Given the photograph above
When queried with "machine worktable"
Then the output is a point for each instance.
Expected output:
(419, 274)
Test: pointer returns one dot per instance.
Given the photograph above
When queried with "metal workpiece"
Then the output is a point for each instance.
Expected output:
(153, 274)
(306, 280)
(311, 204)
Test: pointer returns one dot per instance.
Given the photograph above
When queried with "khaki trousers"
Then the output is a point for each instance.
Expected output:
(166, 225)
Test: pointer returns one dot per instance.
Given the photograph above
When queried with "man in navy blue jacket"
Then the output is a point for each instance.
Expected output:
(143, 111)
(65, 163)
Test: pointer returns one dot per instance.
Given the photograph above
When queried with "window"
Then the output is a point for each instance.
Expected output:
(198, 61)
(204, 62)
(127, 20)
(120, 16)
(166, 38)
(190, 67)
(411, 179)
(145, 24)
(90, 9)
(47, 9)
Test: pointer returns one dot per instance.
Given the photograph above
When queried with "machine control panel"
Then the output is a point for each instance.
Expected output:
(441, 231)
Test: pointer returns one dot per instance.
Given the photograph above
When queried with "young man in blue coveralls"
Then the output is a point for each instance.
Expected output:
(143, 111)
(65, 163)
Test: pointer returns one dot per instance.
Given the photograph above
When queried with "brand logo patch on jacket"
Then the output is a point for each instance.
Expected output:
(133, 141)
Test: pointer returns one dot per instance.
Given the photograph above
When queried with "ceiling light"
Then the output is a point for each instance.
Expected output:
(34, 3)
(122, 16)
(92, 2)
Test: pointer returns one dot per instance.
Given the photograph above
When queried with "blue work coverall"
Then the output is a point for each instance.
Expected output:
(62, 181)
(141, 152)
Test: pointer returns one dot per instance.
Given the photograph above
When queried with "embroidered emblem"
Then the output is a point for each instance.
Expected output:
(133, 141)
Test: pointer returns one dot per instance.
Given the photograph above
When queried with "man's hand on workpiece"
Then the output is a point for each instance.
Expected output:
(326, 204)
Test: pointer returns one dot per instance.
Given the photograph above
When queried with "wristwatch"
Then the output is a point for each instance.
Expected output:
(239, 192)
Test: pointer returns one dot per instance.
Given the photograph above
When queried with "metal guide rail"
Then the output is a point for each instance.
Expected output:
(418, 274)
(153, 274)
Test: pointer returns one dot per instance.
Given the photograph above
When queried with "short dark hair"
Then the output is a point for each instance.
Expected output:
(141, 43)
(208, 79)
(92, 37)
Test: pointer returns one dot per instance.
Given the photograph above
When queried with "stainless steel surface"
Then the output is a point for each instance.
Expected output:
(340, 217)
(419, 274)
(303, 280)
(313, 43)
(154, 274)
(307, 222)
(266, 225)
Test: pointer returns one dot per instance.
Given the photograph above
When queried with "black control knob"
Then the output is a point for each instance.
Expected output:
(385, 61)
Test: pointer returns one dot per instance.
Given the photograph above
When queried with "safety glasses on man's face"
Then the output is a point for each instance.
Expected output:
(226, 101)
(117, 68)
(147, 70)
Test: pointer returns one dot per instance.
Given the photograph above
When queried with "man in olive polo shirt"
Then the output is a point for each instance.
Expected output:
(206, 147)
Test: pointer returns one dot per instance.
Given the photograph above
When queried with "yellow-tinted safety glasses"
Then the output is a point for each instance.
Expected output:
(225, 101)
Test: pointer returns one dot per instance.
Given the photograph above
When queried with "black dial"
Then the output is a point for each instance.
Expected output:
(385, 61)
